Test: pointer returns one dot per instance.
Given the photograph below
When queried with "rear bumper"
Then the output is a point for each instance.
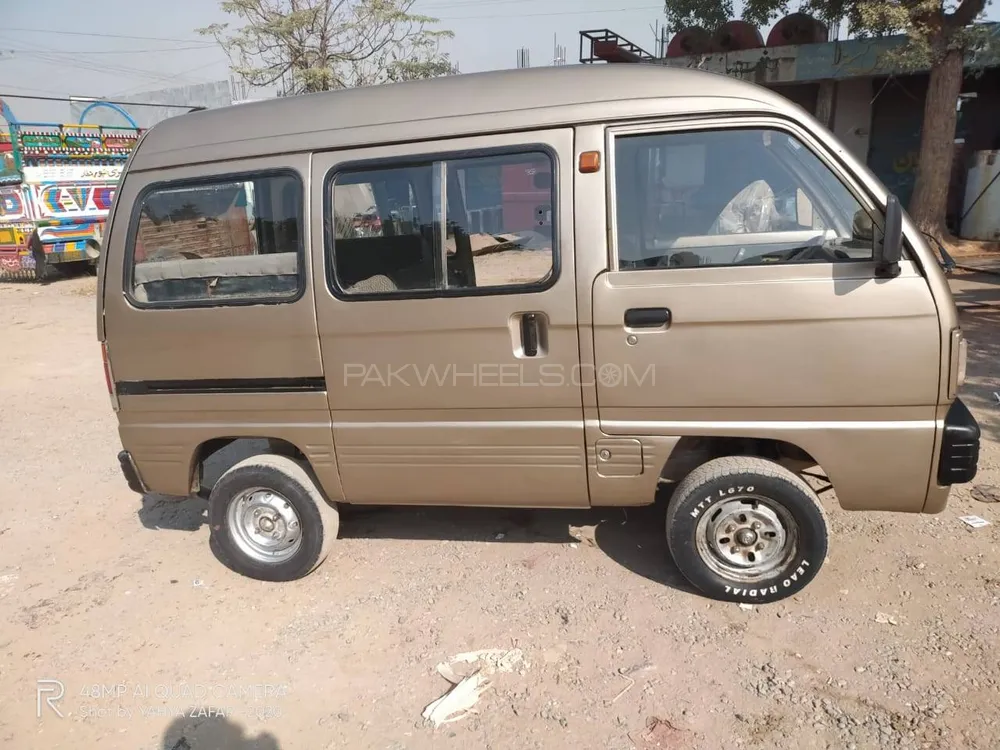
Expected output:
(959, 457)
(131, 473)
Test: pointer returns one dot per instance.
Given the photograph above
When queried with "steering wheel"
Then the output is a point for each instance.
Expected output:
(809, 252)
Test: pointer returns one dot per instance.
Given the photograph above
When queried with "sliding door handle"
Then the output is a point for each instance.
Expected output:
(647, 317)
(529, 334)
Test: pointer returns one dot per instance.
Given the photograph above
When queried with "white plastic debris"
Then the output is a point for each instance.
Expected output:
(974, 521)
(883, 619)
(7, 583)
(467, 688)
(746, 607)
(458, 701)
(493, 659)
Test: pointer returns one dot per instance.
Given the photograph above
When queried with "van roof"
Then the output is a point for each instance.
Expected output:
(443, 107)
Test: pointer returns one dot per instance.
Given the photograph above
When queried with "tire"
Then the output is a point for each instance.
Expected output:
(42, 270)
(285, 497)
(725, 497)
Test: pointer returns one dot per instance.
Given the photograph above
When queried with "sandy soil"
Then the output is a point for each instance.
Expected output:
(895, 645)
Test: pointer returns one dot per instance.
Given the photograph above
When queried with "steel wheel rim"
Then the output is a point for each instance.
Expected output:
(264, 525)
(746, 538)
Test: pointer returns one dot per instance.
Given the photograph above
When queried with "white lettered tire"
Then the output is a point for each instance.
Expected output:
(745, 529)
(269, 520)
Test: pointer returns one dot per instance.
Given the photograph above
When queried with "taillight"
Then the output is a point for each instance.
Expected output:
(108, 379)
(107, 368)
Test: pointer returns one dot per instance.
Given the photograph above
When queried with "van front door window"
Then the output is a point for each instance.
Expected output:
(732, 196)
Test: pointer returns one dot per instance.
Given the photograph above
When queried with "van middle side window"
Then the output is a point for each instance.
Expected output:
(447, 226)
(733, 196)
(218, 241)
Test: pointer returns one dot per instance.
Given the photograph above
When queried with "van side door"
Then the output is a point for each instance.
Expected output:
(448, 321)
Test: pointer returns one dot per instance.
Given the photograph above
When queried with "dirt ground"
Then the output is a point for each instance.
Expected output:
(894, 645)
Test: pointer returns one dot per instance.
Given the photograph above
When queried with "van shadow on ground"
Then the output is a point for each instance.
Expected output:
(213, 732)
(632, 537)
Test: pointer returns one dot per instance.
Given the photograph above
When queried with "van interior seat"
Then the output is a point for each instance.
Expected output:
(400, 258)
(378, 284)
(149, 273)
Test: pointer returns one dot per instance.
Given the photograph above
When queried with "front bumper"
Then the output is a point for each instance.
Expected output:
(959, 446)
(131, 473)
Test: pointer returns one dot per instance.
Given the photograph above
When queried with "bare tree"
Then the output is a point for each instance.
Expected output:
(320, 45)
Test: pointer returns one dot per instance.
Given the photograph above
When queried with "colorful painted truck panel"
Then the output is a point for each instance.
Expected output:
(58, 181)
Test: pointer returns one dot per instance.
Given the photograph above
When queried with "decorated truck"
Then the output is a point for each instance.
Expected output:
(56, 187)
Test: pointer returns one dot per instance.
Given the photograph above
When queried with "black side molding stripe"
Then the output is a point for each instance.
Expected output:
(236, 385)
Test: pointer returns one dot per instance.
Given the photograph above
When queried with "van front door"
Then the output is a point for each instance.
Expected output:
(448, 321)
(743, 276)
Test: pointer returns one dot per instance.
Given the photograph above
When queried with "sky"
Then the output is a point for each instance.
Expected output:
(138, 45)
(113, 48)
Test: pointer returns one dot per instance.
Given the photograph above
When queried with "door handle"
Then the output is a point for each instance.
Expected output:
(529, 334)
(647, 317)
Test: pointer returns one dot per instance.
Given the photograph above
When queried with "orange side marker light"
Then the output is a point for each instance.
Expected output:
(590, 162)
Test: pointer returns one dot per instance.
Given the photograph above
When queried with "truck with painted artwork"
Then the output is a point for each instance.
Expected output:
(57, 182)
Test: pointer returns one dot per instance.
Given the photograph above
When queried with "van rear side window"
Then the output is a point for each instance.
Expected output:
(467, 225)
(228, 240)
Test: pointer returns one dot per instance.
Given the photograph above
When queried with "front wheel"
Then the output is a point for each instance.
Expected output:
(745, 529)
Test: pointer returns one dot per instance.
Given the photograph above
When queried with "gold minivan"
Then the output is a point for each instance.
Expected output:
(548, 288)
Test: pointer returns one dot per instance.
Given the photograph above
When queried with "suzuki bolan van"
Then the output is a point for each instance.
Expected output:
(545, 288)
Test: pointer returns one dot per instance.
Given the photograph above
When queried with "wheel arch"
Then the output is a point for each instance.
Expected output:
(219, 454)
(692, 451)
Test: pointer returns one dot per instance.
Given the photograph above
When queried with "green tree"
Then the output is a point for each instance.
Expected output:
(321, 45)
(939, 36)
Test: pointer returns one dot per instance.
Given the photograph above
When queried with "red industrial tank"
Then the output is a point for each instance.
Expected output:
(693, 40)
(797, 28)
(737, 35)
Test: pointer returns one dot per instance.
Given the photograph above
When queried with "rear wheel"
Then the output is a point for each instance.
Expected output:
(746, 529)
(269, 519)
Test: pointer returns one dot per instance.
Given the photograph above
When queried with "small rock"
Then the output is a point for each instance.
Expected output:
(859, 670)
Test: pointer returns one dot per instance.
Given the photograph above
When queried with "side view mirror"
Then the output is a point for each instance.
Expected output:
(889, 249)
